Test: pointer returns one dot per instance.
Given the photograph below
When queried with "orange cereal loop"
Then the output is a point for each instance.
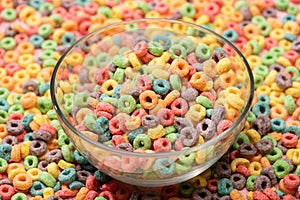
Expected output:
(3, 131)
(21, 76)
(180, 66)
(18, 27)
(250, 31)
(284, 189)
(198, 81)
(48, 20)
(28, 100)
(265, 162)
(274, 22)
(11, 56)
(294, 123)
(227, 80)
(232, 114)
(22, 182)
(198, 6)
(276, 135)
(236, 195)
(25, 47)
(18, 88)
(13, 166)
(255, 158)
(7, 82)
(34, 126)
(7, 4)
(53, 145)
(69, 26)
(37, 198)
(45, 74)
(279, 111)
(254, 10)
(16, 153)
(259, 4)
(237, 17)
(148, 99)
(98, 19)
(82, 193)
(33, 69)
(247, 50)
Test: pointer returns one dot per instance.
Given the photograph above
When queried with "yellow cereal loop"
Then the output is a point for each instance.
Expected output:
(261, 40)
(255, 168)
(82, 193)
(291, 27)
(108, 86)
(263, 89)
(253, 136)
(11, 174)
(57, 35)
(25, 149)
(198, 181)
(285, 44)
(253, 61)
(135, 61)
(277, 34)
(41, 119)
(157, 132)
(116, 12)
(283, 61)
(35, 111)
(224, 65)
(152, 14)
(74, 59)
(249, 195)
(239, 161)
(130, 4)
(200, 156)
(2, 72)
(65, 86)
(53, 169)
(25, 59)
(26, 12)
(64, 165)
(48, 192)
(275, 87)
(21, 76)
(294, 156)
(33, 69)
(159, 73)
(34, 173)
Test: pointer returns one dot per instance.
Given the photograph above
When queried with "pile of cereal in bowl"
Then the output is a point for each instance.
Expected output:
(169, 89)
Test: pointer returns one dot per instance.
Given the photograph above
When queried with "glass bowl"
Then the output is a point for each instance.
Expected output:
(152, 102)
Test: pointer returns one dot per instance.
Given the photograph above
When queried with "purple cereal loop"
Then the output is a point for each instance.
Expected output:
(5, 181)
(247, 149)
(265, 146)
(41, 135)
(269, 12)
(296, 45)
(218, 114)
(150, 121)
(15, 127)
(54, 198)
(218, 55)
(30, 86)
(54, 155)
(262, 124)
(283, 80)
(84, 76)
(206, 128)
(82, 175)
(125, 146)
(43, 165)
(223, 169)
(189, 94)
(292, 166)
(277, 67)
(181, 123)
(269, 172)
(38, 147)
(246, 13)
(244, 23)
(238, 181)
(262, 182)
(135, 93)
(10, 139)
(189, 136)
(201, 193)
(282, 147)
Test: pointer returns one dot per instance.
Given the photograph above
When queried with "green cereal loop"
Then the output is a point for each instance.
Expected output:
(102, 59)
(67, 153)
(30, 162)
(188, 10)
(9, 14)
(89, 120)
(261, 70)
(293, 10)
(177, 48)
(68, 106)
(258, 80)
(47, 6)
(104, 10)
(281, 5)
(3, 165)
(111, 100)
(4, 93)
(278, 51)
(19, 196)
(124, 50)
(187, 159)
(44, 104)
(265, 28)
(190, 31)
(58, 20)
(186, 189)
(268, 58)
(80, 99)
(138, 106)
(64, 140)
(60, 133)
(56, 124)
(49, 44)
(255, 47)
(17, 98)
(241, 138)
(250, 183)
(258, 19)
(155, 48)
(121, 61)
(270, 138)
(127, 104)
(47, 179)
(274, 155)
(119, 75)
(17, 108)
(142, 141)
(49, 63)
(170, 129)
(8, 43)
(281, 168)
(45, 30)
(181, 167)
(111, 75)
(172, 137)
(204, 101)
(143, 6)
(100, 198)
(292, 70)
(289, 104)
(90, 62)
(188, 44)
(68, 97)
(131, 27)
(203, 52)
(239, 4)
(297, 171)
(251, 117)
(47, 54)
(175, 82)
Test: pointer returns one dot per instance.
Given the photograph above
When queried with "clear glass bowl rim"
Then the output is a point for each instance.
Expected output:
(161, 154)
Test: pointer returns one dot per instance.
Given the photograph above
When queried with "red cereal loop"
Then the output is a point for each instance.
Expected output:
(234, 154)
(91, 8)
(162, 145)
(211, 9)
(6, 191)
(101, 75)
(107, 195)
(48, 128)
(291, 55)
(111, 186)
(117, 125)
(138, 14)
(117, 139)
(91, 195)
(165, 116)
(15, 116)
(20, 137)
(291, 181)
(243, 170)
(11, 68)
(270, 43)
(105, 107)
(179, 106)
(141, 48)
(289, 140)
(178, 144)
(84, 27)
(162, 8)
(65, 193)
(92, 183)
(269, 3)
(212, 185)
(288, 197)
(259, 196)
(127, 14)
(139, 113)
(271, 194)
(223, 125)
(59, 11)
(144, 82)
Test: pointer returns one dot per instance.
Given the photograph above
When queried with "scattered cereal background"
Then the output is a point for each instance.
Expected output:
(33, 35)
